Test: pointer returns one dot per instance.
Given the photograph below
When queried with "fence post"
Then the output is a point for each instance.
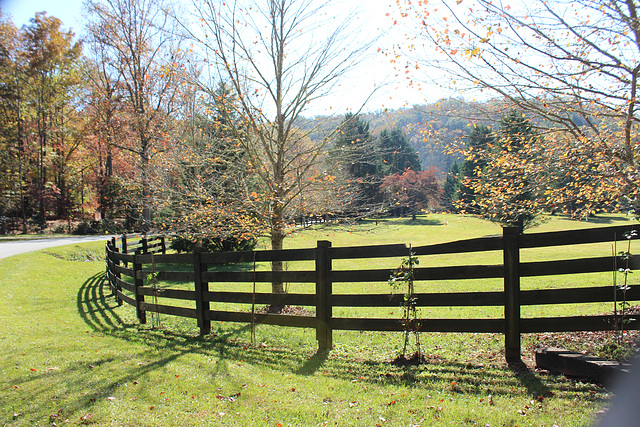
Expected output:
(145, 244)
(324, 286)
(139, 282)
(511, 256)
(124, 243)
(108, 249)
(202, 289)
(113, 274)
(163, 244)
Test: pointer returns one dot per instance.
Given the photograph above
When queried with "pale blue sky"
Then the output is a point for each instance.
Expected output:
(68, 11)
(394, 95)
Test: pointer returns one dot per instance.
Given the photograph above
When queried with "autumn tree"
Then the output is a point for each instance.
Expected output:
(411, 191)
(51, 92)
(107, 121)
(504, 182)
(573, 65)
(13, 155)
(210, 194)
(278, 57)
(140, 47)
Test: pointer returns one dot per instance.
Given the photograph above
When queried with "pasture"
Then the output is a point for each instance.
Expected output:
(70, 355)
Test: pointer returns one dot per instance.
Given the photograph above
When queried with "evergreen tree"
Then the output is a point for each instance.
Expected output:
(397, 153)
(516, 134)
(212, 201)
(480, 139)
(451, 187)
(501, 184)
(357, 154)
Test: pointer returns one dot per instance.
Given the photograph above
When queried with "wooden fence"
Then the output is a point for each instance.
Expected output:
(140, 244)
(131, 276)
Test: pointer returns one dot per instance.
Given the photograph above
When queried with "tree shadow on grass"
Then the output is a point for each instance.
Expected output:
(420, 221)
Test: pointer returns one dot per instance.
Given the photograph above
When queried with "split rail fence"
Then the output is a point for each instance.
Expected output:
(131, 277)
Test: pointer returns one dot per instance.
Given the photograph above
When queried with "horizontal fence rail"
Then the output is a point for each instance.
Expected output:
(137, 265)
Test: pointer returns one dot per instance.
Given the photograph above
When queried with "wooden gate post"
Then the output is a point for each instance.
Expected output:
(324, 334)
(139, 282)
(511, 256)
(202, 289)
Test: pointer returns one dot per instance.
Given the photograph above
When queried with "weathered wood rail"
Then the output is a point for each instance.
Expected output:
(130, 276)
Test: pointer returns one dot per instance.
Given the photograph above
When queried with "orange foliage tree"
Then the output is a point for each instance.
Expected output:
(573, 67)
(411, 191)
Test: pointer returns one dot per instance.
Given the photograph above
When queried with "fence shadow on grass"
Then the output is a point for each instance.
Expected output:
(98, 310)
(95, 307)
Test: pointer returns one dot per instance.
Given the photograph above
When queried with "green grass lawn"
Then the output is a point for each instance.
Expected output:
(70, 356)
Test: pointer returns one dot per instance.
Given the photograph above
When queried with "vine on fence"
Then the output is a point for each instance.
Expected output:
(152, 278)
(621, 307)
(403, 277)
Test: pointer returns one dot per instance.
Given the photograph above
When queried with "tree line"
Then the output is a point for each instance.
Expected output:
(148, 123)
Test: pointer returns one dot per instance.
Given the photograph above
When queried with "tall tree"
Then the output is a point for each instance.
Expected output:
(13, 156)
(141, 48)
(479, 141)
(358, 154)
(278, 56)
(506, 184)
(397, 153)
(573, 64)
(52, 60)
(108, 124)
(212, 198)
(451, 187)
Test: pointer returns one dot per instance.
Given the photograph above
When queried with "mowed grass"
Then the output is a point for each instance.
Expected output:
(70, 356)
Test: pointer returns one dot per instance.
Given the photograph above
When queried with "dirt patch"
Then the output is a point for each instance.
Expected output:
(614, 345)
(285, 310)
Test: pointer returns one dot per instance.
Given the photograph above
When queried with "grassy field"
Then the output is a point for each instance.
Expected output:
(70, 356)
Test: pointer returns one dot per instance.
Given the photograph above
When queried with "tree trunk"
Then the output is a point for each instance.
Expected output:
(277, 240)
(146, 194)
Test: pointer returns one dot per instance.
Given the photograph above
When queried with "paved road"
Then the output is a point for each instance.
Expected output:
(16, 247)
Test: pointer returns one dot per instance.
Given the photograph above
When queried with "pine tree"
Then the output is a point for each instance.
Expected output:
(397, 153)
(358, 155)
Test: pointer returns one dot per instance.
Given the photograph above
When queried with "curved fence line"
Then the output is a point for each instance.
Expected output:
(134, 270)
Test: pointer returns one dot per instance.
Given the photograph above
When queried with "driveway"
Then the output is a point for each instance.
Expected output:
(16, 247)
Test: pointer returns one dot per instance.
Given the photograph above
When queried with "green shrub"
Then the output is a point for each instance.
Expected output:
(186, 243)
(87, 227)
